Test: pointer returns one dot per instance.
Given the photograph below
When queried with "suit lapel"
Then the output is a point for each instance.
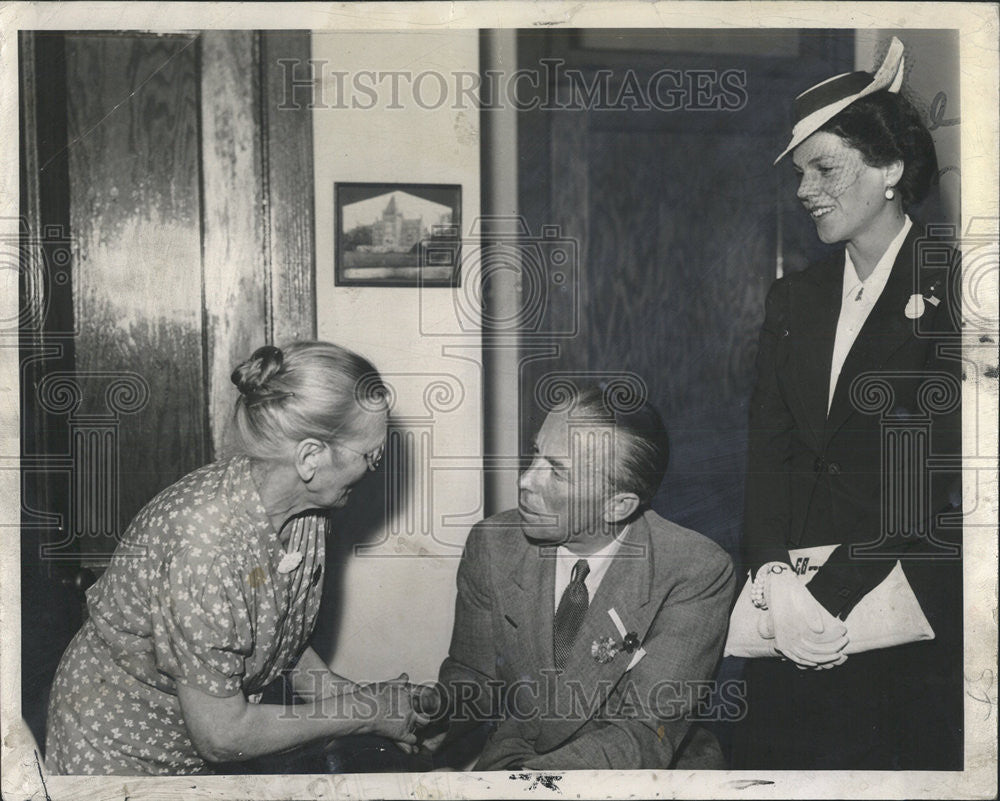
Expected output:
(884, 332)
(530, 605)
(814, 312)
(585, 683)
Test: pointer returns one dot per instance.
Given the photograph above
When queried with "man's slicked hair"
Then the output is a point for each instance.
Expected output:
(641, 443)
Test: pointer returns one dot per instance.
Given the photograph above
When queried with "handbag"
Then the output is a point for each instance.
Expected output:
(888, 615)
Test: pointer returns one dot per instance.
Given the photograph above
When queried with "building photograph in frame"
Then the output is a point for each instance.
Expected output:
(397, 234)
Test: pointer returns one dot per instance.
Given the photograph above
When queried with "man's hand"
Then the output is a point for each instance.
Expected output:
(428, 700)
(803, 630)
(433, 743)
(430, 704)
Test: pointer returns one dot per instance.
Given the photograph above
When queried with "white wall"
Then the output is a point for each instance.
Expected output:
(394, 611)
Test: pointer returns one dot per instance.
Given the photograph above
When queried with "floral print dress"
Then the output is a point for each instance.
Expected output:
(193, 596)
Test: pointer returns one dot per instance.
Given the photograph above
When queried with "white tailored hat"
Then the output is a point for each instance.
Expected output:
(822, 102)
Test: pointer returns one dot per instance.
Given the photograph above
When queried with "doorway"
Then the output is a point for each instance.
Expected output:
(166, 232)
(651, 150)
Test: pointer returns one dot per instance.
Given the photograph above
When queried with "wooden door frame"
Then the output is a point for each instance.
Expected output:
(257, 258)
(262, 238)
(249, 77)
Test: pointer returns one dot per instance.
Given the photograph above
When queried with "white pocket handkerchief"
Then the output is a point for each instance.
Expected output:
(623, 633)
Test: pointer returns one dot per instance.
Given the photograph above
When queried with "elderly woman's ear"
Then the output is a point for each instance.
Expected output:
(308, 455)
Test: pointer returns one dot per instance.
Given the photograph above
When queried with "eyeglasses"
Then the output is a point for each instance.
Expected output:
(373, 458)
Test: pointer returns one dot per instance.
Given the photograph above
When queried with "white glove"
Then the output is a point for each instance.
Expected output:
(803, 630)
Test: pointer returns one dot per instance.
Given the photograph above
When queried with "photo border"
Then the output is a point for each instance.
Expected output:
(977, 23)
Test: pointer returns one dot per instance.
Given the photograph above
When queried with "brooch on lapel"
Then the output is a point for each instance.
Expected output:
(289, 562)
(915, 306)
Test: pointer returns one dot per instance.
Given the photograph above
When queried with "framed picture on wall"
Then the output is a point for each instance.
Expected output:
(397, 234)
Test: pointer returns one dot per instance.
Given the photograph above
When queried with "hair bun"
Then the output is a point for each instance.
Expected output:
(251, 376)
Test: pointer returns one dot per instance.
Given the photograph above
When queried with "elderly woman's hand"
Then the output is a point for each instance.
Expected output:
(389, 705)
(803, 630)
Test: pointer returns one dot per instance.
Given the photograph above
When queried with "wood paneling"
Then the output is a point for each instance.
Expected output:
(287, 136)
(170, 228)
(676, 217)
(46, 343)
(571, 207)
(132, 132)
(693, 238)
(186, 190)
(668, 299)
(234, 266)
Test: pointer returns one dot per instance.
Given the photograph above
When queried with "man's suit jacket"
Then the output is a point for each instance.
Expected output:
(819, 479)
(671, 587)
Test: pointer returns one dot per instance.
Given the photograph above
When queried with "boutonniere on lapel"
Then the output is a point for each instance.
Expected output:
(916, 306)
(606, 649)
(603, 651)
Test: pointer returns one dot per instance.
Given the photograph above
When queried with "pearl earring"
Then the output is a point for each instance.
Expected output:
(889, 193)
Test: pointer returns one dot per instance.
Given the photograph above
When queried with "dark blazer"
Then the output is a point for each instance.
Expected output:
(670, 586)
(886, 459)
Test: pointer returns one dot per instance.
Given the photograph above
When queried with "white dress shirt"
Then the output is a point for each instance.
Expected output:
(599, 563)
(857, 301)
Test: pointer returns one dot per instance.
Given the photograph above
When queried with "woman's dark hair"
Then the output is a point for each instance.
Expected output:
(886, 127)
(306, 389)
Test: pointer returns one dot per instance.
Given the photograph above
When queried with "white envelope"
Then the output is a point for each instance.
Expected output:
(888, 615)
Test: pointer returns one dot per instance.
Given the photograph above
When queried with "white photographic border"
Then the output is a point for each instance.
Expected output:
(978, 27)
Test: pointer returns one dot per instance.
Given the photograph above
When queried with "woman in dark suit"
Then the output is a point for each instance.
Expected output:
(853, 421)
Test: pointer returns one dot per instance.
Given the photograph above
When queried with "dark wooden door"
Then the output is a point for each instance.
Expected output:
(166, 233)
(681, 223)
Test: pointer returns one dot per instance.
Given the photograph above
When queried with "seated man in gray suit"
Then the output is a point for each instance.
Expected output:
(585, 622)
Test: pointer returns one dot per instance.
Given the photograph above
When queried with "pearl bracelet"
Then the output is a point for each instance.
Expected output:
(757, 588)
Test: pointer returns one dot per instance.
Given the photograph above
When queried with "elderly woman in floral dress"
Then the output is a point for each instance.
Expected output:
(214, 590)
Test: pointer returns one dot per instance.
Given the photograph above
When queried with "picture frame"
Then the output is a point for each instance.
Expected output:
(397, 234)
